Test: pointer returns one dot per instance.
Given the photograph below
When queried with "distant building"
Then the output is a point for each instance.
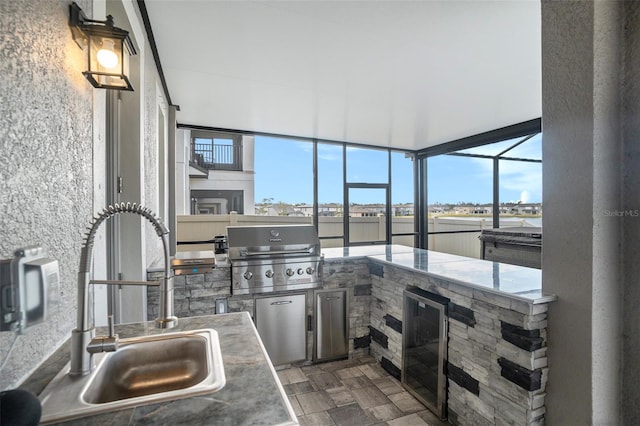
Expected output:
(521, 208)
(403, 210)
(215, 171)
(486, 209)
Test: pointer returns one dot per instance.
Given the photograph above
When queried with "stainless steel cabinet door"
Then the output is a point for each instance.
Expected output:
(281, 325)
(331, 325)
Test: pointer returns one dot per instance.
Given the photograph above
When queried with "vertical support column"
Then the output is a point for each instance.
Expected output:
(581, 262)
(100, 264)
(434, 237)
(631, 219)
(132, 299)
(496, 193)
(172, 222)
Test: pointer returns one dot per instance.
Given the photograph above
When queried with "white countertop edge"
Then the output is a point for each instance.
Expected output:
(293, 419)
(534, 301)
(398, 249)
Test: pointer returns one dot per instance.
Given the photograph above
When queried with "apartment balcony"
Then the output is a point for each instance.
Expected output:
(217, 156)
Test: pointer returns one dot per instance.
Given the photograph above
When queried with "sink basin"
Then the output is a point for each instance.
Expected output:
(154, 366)
(143, 370)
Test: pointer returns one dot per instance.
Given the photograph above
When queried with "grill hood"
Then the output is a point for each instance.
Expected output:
(274, 241)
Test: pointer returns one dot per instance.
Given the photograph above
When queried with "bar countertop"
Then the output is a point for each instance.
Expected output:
(512, 281)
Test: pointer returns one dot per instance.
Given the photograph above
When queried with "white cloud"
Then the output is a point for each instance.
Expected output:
(522, 177)
(518, 176)
(330, 152)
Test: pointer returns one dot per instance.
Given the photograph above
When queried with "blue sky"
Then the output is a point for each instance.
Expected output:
(284, 172)
(462, 179)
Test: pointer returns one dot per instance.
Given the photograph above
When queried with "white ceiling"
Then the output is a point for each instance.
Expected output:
(404, 74)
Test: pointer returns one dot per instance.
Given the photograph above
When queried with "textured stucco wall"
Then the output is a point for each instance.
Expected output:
(607, 228)
(150, 160)
(52, 156)
(582, 51)
(45, 159)
(631, 190)
(567, 155)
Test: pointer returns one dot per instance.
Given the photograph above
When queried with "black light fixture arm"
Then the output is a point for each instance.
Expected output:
(77, 17)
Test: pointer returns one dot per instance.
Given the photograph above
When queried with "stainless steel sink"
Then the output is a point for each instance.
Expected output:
(143, 370)
(155, 366)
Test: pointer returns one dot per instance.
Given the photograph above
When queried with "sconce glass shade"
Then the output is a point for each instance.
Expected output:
(108, 61)
(107, 47)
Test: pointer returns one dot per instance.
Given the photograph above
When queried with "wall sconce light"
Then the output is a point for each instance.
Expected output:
(108, 49)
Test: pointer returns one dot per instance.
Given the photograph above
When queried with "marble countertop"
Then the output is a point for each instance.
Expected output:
(365, 251)
(516, 282)
(252, 395)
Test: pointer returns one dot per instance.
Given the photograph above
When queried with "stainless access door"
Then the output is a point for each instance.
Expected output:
(281, 321)
(332, 325)
(424, 351)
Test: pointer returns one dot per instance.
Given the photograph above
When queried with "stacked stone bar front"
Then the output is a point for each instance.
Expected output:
(497, 365)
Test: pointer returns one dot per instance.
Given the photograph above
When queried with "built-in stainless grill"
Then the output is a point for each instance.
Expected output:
(268, 258)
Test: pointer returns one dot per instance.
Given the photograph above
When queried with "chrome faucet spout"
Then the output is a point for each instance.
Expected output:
(82, 336)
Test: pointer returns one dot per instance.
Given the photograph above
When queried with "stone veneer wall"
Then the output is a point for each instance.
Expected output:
(196, 295)
(354, 276)
(497, 364)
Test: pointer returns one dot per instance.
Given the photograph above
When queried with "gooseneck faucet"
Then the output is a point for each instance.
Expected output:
(83, 344)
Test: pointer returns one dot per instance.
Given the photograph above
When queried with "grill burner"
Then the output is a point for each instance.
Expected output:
(268, 258)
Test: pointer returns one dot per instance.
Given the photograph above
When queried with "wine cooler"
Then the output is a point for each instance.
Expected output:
(424, 349)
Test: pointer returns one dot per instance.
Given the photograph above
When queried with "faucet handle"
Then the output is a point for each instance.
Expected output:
(111, 326)
(104, 343)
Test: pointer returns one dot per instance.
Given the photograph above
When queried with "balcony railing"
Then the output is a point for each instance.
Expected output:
(217, 157)
(447, 235)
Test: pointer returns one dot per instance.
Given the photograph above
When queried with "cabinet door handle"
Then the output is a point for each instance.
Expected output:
(282, 302)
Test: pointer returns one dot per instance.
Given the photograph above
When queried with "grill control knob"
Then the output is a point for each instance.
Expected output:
(300, 271)
(247, 275)
(310, 270)
(290, 272)
(269, 273)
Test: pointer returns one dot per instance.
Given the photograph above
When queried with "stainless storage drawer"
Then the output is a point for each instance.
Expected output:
(281, 324)
(332, 325)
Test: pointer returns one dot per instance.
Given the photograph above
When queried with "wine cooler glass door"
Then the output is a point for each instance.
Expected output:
(424, 351)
